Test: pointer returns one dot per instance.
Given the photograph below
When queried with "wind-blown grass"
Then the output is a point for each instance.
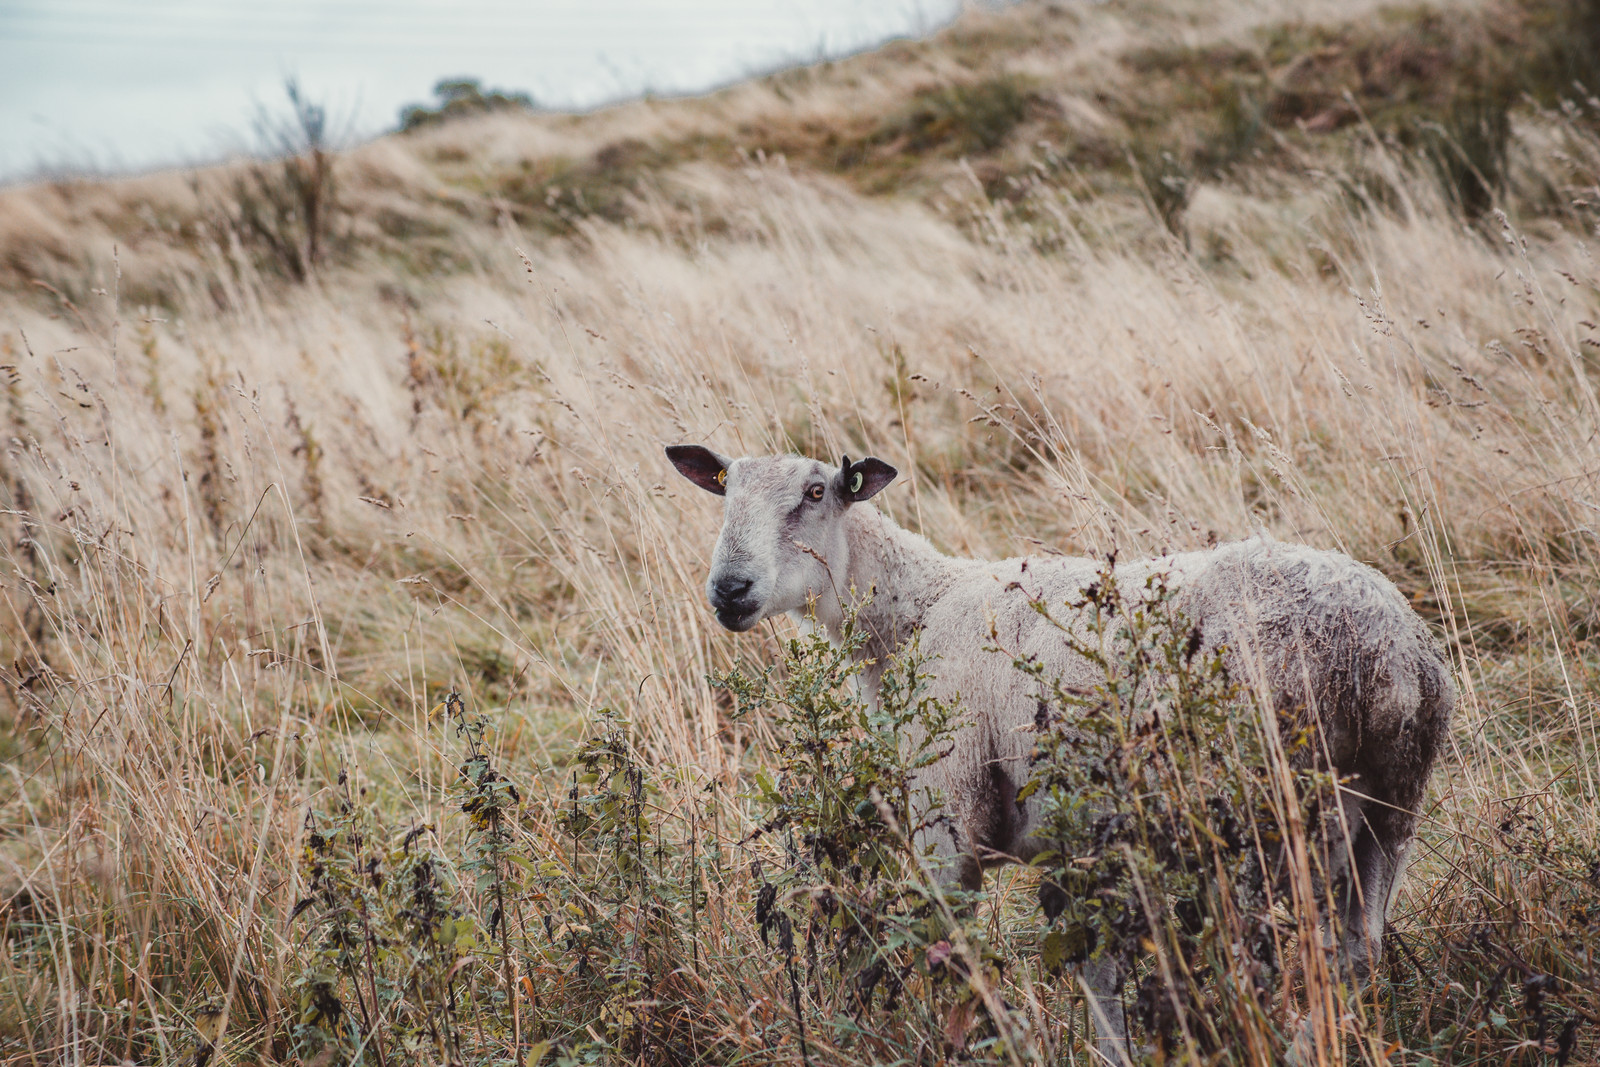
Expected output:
(254, 535)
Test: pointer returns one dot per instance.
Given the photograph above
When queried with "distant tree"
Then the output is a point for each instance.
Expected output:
(459, 98)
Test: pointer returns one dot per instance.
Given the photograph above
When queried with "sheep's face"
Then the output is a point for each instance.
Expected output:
(783, 542)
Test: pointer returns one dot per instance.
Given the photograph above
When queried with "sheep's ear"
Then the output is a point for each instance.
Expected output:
(864, 479)
(701, 466)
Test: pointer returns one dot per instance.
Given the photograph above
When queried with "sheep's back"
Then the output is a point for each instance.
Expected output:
(1332, 641)
(1319, 634)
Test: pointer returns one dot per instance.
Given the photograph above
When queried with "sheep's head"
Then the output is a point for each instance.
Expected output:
(783, 540)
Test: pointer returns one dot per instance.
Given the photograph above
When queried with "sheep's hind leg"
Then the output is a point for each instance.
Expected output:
(1377, 862)
(1368, 847)
(1102, 980)
(1377, 858)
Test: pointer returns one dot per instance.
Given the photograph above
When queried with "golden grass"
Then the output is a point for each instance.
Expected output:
(254, 535)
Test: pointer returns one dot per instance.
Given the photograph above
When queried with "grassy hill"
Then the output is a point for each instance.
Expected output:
(335, 515)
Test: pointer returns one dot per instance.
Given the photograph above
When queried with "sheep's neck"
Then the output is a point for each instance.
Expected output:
(894, 577)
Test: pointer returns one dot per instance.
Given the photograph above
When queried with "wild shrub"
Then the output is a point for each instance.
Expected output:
(492, 859)
(1169, 183)
(623, 910)
(963, 119)
(408, 954)
(285, 208)
(867, 923)
(385, 942)
(1175, 821)
(1469, 148)
(502, 946)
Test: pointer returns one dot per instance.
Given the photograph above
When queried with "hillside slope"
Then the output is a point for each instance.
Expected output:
(1218, 88)
(307, 460)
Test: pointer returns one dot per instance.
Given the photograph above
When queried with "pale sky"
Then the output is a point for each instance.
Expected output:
(115, 85)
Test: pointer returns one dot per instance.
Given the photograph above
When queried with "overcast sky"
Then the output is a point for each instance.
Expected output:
(113, 85)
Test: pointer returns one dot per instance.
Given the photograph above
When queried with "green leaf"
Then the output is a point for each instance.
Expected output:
(1054, 950)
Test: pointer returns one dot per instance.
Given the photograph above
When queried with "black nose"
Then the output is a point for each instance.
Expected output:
(730, 592)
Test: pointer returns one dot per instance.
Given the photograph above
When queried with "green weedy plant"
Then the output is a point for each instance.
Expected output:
(625, 908)
(1167, 804)
(402, 963)
(857, 910)
(340, 997)
(435, 936)
(400, 960)
(386, 939)
(494, 862)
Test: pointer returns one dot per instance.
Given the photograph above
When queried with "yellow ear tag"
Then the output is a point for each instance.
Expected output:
(855, 483)
(722, 477)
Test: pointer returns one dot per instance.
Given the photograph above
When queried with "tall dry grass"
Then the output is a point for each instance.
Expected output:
(251, 544)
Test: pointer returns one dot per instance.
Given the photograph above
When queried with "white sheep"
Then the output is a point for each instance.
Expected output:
(1318, 632)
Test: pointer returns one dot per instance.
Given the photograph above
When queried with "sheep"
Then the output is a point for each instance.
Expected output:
(1324, 635)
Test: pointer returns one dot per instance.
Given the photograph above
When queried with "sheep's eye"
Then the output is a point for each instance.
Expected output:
(722, 477)
(814, 493)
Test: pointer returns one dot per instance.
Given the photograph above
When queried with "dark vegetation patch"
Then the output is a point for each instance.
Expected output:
(958, 119)
(555, 193)
(1442, 83)
(459, 98)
